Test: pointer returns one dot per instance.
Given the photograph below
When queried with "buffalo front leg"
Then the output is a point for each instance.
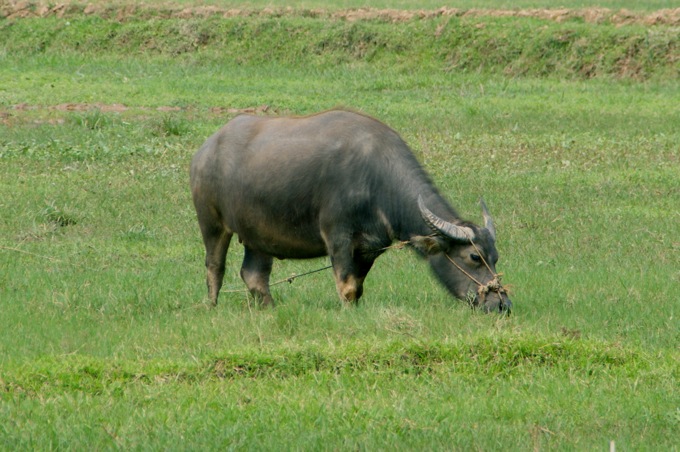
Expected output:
(350, 273)
(350, 266)
(255, 273)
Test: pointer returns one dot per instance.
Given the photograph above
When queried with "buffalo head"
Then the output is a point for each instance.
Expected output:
(463, 256)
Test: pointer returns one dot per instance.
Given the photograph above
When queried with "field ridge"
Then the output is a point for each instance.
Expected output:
(491, 357)
(122, 11)
(512, 46)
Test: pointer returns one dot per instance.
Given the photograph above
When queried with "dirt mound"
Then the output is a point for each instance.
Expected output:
(14, 9)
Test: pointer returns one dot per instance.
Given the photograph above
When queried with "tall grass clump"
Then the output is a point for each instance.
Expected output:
(94, 119)
(171, 125)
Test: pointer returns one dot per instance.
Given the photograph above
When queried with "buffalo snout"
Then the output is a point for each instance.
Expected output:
(499, 303)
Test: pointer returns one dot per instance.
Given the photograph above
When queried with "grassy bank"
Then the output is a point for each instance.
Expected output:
(528, 47)
(105, 341)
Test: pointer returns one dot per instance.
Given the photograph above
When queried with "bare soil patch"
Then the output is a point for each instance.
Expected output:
(119, 108)
(17, 9)
(13, 114)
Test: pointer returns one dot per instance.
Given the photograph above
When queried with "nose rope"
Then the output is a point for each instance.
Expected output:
(493, 285)
(463, 270)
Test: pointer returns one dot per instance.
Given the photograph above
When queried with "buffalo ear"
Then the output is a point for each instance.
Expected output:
(488, 220)
(427, 244)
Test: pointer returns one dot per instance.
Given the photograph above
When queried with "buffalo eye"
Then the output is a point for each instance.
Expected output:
(475, 257)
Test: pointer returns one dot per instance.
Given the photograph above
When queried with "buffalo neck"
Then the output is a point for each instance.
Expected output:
(408, 221)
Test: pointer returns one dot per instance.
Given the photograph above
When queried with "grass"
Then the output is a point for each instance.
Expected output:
(105, 340)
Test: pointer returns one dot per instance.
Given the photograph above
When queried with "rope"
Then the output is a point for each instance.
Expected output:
(289, 280)
(41, 256)
(463, 270)
(293, 277)
(494, 285)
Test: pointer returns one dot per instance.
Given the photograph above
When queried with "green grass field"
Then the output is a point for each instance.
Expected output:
(569, 129)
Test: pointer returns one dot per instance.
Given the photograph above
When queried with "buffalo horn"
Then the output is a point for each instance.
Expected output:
(442, 226)
(488, 221)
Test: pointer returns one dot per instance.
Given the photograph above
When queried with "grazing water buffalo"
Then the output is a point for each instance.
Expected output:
(336, 183)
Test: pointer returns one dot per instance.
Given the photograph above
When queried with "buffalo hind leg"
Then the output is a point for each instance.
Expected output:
(255, 273)
(216, 247)
(216, 238)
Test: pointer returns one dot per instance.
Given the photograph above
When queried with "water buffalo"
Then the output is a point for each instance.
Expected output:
(337, 183)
